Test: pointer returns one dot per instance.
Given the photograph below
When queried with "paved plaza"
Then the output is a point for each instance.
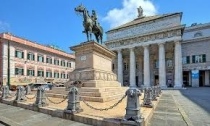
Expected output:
(15, 116)
(190, 107)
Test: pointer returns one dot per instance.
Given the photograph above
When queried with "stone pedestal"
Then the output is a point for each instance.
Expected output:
(94, 69)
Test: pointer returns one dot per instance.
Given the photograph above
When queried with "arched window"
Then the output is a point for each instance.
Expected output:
(197, 34)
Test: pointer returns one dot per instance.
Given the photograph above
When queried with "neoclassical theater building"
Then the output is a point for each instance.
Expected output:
(159, 49)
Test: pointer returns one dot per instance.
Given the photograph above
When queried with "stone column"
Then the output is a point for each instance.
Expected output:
(190, 78)
(178, 65)
(207, 77)
(120, 66)
(146, 67)
(132, 68)
(140, 71)
(162, 66)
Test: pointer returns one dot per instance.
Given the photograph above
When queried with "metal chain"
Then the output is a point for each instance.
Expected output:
(12, 95)
(64, 99)
(105, 109)
(30, 98)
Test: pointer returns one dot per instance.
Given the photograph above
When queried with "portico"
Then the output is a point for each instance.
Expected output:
(148, 53)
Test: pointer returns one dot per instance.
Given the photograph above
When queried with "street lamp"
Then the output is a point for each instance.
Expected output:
(8, 64)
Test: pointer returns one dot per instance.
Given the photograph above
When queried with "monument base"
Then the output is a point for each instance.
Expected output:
(94, 70)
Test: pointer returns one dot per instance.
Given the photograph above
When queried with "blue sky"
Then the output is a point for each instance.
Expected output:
(55, 22)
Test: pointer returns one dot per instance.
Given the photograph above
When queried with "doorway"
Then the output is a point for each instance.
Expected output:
(137, 81)
(201, 78)
(156, 80)
(186, 79)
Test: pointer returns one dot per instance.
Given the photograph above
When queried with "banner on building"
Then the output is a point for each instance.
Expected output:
(195, 74)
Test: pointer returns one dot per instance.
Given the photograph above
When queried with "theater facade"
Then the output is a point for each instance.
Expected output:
(159, 49)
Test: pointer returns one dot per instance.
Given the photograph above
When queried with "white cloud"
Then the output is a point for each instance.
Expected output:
(4, 26)
(128, 12)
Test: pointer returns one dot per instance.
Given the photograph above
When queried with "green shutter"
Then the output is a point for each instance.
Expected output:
(23, 55)
(188, 59)
(204, 58)
(28, 55)
(193, 59)
(15, 53)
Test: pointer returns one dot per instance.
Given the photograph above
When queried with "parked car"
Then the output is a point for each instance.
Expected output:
(34, 87)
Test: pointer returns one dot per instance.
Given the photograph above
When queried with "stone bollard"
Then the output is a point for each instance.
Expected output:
(133, 115)
(20, 96)
(41, 98)
(147, 98)
(154, 94)
(28, 90)
(156, 91)
(73, 101)
(5, 92)
(159, 89)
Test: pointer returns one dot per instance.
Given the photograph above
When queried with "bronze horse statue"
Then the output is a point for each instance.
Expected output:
(90, 25)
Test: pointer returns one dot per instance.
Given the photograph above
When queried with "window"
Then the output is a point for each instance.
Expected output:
(63, 75)
(156, 64)
(125, 66)
(197, 34)
(40, 73)
(169, 63)
(67, 76)
(56, 75)
(19, 54)
(113, 66)
(19, 71)
(56, 62)
(49, 60)
(40, 58)
(30, 56)
(186, 60)
(69, 64)
(63, 63)
(30, 72)
(199, 58)
(48, 74)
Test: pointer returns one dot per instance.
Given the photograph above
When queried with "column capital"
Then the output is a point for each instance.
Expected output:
(177, 42)
(146, 46)
(131, 48)
(119, 50)
(161, 44)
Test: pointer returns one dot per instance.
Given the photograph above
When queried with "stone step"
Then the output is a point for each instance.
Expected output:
(56, 95)
(101, 99)
(100, 83)
(101, 94)
(105, 89)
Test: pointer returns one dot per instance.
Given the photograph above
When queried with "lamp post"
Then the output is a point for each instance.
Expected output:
(8, 64)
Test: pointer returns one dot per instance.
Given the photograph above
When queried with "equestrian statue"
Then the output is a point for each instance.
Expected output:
(90, 24)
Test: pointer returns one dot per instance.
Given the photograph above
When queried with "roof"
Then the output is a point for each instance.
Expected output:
(143, 19)
(8, 36)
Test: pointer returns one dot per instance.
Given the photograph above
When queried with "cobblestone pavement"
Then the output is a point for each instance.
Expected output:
(15, 116)
(190, 107)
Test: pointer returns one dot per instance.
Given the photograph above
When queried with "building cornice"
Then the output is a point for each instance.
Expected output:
(22, 41)
(197, 27)
(196, 39)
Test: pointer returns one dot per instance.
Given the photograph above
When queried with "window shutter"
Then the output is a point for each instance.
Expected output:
(33, 57)
(28, 55)
(22, 72)
(22, 54)
(15, 53)
(188, 59)
(193, 59)
(204, 58)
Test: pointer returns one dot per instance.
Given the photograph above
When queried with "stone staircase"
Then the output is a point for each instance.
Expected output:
(92, 94)
(102, 94)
